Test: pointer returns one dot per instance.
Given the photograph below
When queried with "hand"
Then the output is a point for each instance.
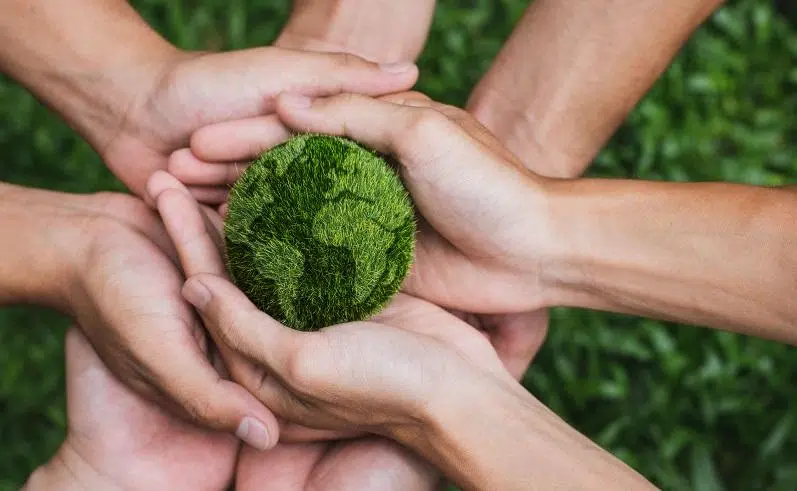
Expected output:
(196, 89)
(126, 298)
(477, 255)
(378, 30)
(118, 441)
(339, 344)
(366, 463)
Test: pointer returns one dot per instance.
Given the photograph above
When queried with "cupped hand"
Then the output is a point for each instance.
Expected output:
(384, 371)
(126, 298)
(361, 463)
(482, 253)
(194, 89)
(116, 440)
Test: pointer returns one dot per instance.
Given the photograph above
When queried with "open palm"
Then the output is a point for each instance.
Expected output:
(354, 463)
(129, 442)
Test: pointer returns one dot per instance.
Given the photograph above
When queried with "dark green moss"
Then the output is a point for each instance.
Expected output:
(319, 231)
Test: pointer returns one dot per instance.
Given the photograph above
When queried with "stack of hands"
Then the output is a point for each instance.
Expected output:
(170, 367)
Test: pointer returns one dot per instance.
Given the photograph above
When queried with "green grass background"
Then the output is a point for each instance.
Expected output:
(689, 408)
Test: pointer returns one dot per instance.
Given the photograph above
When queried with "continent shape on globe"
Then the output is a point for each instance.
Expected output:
(319, 231)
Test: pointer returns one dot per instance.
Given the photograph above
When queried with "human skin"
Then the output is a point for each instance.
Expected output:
(100, 257)
(572, 71)
(511, 240)
(560, 86)
(569, 75)
(357, 460)
(392, 376)
(378, 30)
(136, 98)
(106, 261)
(116, 440)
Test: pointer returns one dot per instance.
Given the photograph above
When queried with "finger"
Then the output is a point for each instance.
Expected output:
(238, 140)
(188, 230)
(260, 74)
(323, 74)
(382, 125)
(292, 432)
(240, 325)
(517, 338)
(196, 389)
(389, 467)
(210, 195)
(216, 403)
(159, 182)
(285, 467)
(459, 116)
(192, 171)
(411, 97)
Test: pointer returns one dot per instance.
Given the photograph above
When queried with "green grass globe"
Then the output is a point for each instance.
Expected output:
(319, 231)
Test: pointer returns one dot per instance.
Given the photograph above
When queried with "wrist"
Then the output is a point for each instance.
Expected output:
(525, 135)
(462, 423)
(358, 27)
(42, 257)
(90, 68)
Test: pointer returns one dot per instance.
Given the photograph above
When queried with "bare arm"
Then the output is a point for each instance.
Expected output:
(714, 254)
(385, 31)
(572, 71)
(43, 233)
(87, 59)
(506, 439)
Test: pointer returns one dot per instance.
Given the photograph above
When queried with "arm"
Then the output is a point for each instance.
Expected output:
(88, 60)
(713, 254)
(515, 442)
(572, 71)
(380, 30)
(40, 246)
(136, 98)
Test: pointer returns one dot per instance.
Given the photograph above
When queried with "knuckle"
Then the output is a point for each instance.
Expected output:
(200, 410)
(305, 367)
(424, 123)
(229, 327)
(347, 60)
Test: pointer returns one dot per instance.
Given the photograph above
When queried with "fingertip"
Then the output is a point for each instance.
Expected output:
(185, 166)
(161, 181)
(209, 195)
(257, 433)
(196, 293)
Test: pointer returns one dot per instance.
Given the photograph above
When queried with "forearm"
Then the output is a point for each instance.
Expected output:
(572, 71)
(713, 254)
(490, 435)
(384, 31)
(86, 59)
(39, 244)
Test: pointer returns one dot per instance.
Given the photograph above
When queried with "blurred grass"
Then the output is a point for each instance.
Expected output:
(689, 408)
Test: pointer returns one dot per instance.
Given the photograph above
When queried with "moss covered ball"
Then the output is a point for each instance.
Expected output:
(319, 231)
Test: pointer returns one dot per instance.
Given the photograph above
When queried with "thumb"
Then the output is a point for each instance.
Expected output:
(440, 161)
(239, 324)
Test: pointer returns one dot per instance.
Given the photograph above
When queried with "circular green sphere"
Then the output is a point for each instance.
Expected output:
(319, 231)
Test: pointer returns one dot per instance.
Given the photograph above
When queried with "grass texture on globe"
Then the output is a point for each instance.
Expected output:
(319, 231)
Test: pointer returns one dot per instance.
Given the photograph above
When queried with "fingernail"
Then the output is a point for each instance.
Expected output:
(254, 434)
(400, 67)
(196, 293)
(296, 100)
